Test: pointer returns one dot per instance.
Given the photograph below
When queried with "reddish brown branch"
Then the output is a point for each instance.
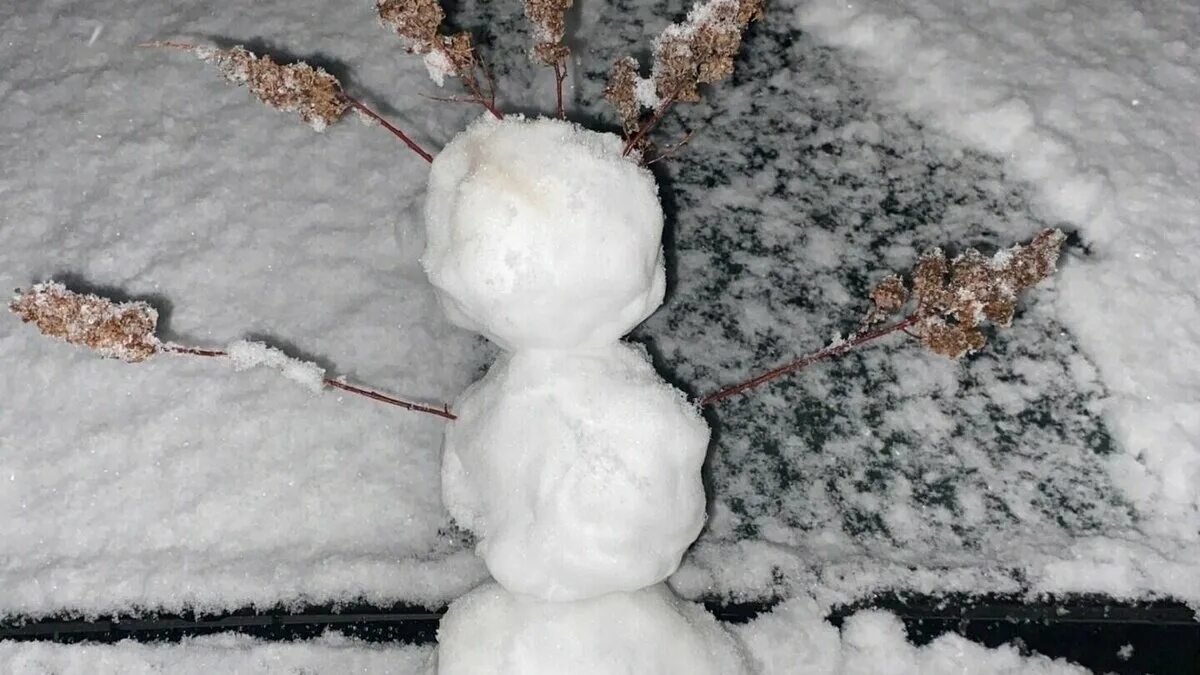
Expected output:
(443, 412)
(362, 108)
(831, 351)
(648, 125)
(560, 74)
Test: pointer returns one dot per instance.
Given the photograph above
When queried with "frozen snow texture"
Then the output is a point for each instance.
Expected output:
(246, 354)
(438, 66)
(228, 654)
(1096, 103)
(491, 631)
(795, 639)
(541, 235)
(578, 471)
(175, 483)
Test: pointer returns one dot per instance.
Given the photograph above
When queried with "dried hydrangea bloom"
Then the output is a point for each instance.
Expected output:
(548, 19)
(313, 94)
(415, 21)
(122, 331)
(955, 298)
(887, 298)
(621, 92)
(701, 49)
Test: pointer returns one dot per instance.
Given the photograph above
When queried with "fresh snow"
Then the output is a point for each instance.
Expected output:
(246, 354)
(1096, 103)
(792, 640)
(491, 631)
(170, 484)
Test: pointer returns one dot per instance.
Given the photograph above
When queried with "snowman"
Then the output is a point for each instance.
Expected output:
(575, 465)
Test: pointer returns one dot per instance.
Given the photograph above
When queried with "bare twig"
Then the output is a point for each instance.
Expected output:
(126, 331)
(377, 118)
(835, 349)
(443, 411)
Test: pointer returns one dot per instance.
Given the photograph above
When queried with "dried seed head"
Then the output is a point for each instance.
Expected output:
(548, 19)
(621, 92)
(415, 21)
(950, 340)
(701, 50)
(886, 299)
(115, 330)
(310, 92)
(954, 299)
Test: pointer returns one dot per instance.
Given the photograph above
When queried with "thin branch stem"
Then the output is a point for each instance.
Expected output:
(831, 351)
(560, 74)
(362, 108)
(648, 125)
(674, 148)
(443, 411)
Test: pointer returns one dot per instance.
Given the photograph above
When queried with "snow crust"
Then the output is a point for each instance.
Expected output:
(539, 234)
(491, 631)
(579, 472)
(1095, 103)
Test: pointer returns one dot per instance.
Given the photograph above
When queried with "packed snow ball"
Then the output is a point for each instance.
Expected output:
(540, 234)
(579, 472)
(491, 631)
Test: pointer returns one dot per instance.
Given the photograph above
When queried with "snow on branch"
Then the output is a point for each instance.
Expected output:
(951, 301)
(699, 50)
(126, 331)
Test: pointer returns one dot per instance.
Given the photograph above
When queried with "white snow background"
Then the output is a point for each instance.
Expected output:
(177, 483)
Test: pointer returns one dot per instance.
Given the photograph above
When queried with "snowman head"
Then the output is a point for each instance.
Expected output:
(541, 234)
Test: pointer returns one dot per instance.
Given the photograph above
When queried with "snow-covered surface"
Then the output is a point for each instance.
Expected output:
(541, 234)
(140, 174)
(490, 631)
(1038, 465)
(579, 472)
(1096, 104)
(793, 640)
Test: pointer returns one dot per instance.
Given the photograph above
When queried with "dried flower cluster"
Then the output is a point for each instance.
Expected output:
(313, 94)
(548, 19)
(114, 330)
(621, 93)
(954, 298)
(417, 23)
(700, 50)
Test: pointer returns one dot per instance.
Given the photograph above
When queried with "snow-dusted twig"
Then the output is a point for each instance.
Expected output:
(951, 301)
(126, 331)
(313, 94)
(548, 18)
